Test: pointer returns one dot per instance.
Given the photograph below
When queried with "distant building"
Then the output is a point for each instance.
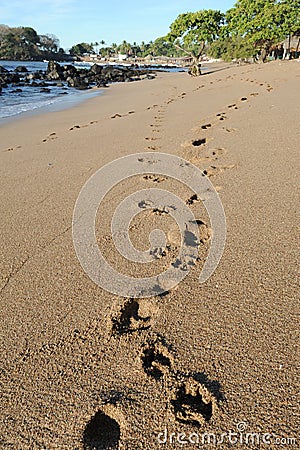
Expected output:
(291, 45)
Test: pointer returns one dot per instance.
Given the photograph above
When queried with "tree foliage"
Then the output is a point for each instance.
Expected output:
(192, 31)
(24, 43)
(262, 23)
(81, 49)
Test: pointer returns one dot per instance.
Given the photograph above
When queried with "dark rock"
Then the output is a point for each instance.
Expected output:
(3, 70)
(96, 69)
(68, 71)
(77, 83)
(16, 90)
(14, 78)
(53, 66)
(21, 69)
(33, 76)
(47, 90)
(54, 71)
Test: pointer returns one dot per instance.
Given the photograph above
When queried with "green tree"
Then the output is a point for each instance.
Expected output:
(81, 49)
(263, 22)
(231, 47)
(24, 43)
(190, 32)
(125, 48)
(163, 47)
(288, 12)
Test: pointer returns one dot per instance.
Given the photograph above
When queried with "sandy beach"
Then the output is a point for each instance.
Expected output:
(86, 369)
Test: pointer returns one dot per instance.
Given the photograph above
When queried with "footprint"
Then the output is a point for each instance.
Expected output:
(11, 149)
(221, 116)
(244, 99)
(153, 147)
(156, 358)
(102, 432)
(131, 112)
(154, 178)
(217, 152)
(193, 199)
(116, 115)
(151, 107)
(199, 142)
(160, 211)
(205, 127)
(205, 232)
(193, 403)
(212, 171)
(50, 137)
(74, 127)
(129, 320)
(229, 130)
(254, 94)
(231, 106)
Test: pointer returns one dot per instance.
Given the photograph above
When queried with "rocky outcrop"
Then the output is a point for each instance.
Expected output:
(78, 78)
(22, 69)
(3, 70)
(54, 71)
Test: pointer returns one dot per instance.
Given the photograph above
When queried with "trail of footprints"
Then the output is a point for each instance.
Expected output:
(191, 398)
(156, 127)
(53, 136)
(197, 150)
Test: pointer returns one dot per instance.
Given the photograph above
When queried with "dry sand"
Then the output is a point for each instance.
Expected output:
(83, 368)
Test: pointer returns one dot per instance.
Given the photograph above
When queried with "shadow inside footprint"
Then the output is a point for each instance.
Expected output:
(193, 404)
(155, 359)
(129, 320)
(193, 199)
(199, 142)
(101, 433)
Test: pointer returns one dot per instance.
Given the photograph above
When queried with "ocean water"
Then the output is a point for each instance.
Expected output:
(31, 99)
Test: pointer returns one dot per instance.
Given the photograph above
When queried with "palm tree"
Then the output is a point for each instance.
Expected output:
(96, 44)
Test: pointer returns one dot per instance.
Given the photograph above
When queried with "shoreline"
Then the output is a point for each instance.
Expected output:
(57, 103)
(78, 358)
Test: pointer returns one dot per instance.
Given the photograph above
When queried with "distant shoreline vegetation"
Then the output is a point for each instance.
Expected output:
(251, 29)
(24, 44)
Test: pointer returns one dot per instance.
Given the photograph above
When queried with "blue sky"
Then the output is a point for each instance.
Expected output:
(74, 21)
